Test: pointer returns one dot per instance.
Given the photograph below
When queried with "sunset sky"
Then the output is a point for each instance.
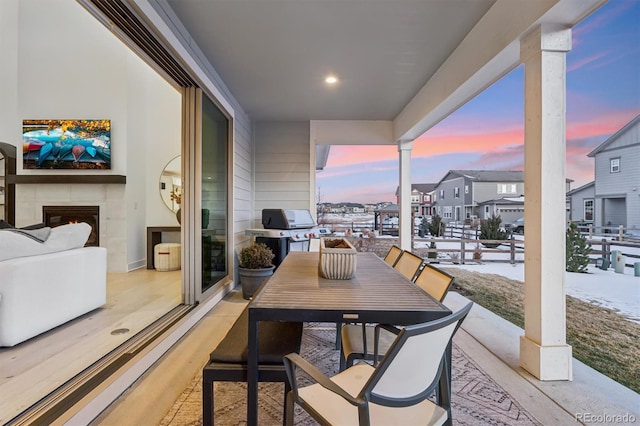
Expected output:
(603, 94)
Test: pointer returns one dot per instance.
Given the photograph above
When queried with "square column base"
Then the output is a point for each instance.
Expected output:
(546, 362)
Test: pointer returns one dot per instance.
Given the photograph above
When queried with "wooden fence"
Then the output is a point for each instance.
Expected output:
(465, 250)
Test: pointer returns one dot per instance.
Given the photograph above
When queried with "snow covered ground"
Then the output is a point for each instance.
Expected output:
(620, 292)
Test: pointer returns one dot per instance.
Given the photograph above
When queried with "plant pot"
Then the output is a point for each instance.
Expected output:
(252, 279)
(491, 245)
(337, 263)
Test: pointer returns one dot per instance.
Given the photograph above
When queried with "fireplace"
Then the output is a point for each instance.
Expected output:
(59, 215)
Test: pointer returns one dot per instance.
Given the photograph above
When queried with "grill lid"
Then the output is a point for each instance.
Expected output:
(287, 219)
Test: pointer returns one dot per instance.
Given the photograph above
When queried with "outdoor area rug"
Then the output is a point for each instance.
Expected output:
(476, 398)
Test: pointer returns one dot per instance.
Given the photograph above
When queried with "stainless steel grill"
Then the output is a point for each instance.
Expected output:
(286, 230)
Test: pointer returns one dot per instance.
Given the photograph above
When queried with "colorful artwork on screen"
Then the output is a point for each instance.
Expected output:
(66, 144)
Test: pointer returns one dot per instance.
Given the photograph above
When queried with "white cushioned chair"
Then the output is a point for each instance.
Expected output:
(358, 340)
(395, 392)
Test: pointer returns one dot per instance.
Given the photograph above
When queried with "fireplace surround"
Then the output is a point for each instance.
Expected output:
(59, 215)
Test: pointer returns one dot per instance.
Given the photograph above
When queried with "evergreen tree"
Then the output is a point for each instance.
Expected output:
(578, 250)
(436, 227)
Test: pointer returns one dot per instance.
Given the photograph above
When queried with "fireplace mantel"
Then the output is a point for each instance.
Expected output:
(55, 178)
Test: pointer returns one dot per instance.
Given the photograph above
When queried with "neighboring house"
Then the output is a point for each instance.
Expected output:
(421, 198)
(508, 208)
(582, 203)
(617, 178)
(459, 194)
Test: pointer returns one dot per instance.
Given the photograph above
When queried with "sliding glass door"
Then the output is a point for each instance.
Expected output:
(214, 194)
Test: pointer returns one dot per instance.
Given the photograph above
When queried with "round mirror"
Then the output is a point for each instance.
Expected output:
(171, 184)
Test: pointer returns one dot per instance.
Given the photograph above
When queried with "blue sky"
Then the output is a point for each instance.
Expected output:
(603, 94)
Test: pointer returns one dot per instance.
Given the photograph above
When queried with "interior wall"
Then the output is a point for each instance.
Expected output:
(60, 62)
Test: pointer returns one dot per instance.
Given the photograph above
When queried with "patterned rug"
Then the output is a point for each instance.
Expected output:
(476, 399)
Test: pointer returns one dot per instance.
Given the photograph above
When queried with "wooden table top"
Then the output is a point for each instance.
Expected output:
(376, 288)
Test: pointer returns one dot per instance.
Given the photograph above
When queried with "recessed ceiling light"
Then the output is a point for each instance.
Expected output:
(331, 79)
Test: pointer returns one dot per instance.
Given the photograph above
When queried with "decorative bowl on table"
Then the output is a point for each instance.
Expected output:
(337, 259)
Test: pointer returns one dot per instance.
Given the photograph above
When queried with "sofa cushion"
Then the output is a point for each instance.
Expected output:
(65, 237)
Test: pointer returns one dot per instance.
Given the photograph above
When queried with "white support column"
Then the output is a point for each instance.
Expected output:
(543, 349)
(405, 225)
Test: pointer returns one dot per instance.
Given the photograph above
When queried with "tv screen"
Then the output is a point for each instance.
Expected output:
(66, 144)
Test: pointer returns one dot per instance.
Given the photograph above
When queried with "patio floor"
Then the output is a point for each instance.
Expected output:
(490, 341)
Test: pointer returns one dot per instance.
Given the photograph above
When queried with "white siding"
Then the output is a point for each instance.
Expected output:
(282, 167)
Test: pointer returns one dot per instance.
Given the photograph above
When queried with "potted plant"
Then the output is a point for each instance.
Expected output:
(491, 229)
(436, 228)
(256, 265)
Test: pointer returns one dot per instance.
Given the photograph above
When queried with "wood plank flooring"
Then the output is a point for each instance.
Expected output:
(31, 370)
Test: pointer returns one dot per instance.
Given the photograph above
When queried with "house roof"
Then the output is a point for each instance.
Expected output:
(504, 201)
(424, 188)
(485, 175)
(616, 135)
(580, 188)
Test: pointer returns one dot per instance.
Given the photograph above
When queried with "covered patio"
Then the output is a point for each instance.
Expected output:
(165, 397)
(401, 68)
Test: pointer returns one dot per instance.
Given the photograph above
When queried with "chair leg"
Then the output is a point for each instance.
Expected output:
(338, 335)
(343, 360)
(289, 402)
(287, 389)
(207, 403)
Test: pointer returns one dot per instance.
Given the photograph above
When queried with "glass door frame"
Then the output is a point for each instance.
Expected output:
(192, 197)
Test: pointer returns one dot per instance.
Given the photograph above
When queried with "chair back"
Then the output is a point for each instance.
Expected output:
(408, 264)
(434, 281)
(314, 244)
(392, 255)
(411, 368)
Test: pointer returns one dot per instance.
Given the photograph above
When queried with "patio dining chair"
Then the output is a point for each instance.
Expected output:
(393, 254)
(390, 258)
(434, 281)
(314, 244)
(395, 392)
(408, 264)
(358, 341)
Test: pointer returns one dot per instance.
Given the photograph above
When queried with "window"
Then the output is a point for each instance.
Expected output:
(446, 212)
(507, 188)
(466, 189)
(615, 165)
(442, 194)
(588, 210)
(415, 198)
(456, 192)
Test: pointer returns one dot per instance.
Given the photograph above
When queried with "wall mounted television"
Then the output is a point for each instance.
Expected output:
(66, 144)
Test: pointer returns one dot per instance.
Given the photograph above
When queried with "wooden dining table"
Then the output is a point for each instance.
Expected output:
(376, 294)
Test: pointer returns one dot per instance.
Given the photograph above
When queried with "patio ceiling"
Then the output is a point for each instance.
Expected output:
(409, 62)
(274, 55)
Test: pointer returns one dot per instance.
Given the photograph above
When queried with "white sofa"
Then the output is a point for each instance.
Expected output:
(42, 291)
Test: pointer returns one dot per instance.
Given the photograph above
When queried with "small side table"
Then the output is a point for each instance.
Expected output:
(154, 236)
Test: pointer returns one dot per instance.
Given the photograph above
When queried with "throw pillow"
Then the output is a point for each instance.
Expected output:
(63, 237)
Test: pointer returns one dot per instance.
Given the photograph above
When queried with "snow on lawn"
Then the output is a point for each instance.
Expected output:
(620, 292)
